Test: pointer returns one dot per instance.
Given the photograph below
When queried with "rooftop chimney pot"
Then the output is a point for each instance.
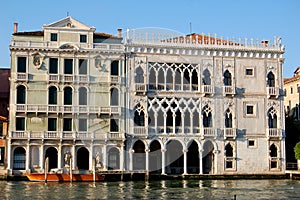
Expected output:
(15, 27)
(119, 32)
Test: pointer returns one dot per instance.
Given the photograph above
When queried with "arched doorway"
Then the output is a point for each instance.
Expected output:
(113, 159)
(193, 158)
(174, 161)
(83, 158)
(208, 158)
(19, 158)
(51, 153)
(155, 157)
(139, 159)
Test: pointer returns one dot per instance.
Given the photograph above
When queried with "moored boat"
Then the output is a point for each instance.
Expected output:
(57, 177)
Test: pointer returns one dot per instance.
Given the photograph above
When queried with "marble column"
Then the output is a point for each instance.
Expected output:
(163, 161)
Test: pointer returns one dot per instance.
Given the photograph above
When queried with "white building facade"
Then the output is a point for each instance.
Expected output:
(66, 98)
(204, 105)
(151, 101)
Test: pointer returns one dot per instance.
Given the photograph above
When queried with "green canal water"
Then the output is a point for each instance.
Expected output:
(166, 189)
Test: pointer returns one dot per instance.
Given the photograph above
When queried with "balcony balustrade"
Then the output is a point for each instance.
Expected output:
(66, 135)
(273, 91)
(229, 132)
(228, 90)
(274, 132)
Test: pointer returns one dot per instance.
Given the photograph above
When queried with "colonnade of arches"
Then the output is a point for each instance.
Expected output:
(173, 157)
(22, 160)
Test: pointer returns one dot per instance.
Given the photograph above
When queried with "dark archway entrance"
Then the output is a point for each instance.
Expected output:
(139, 160)
(113, 159)
(208, 158)
(155, 157)
(19, 158)
(193, 158)
(83, 158)
(51, 153)
(174, 161)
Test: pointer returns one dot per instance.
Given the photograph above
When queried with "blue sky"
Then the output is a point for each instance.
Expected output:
(262, 19)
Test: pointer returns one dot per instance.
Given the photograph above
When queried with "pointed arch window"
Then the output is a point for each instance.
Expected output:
(206, 77)
(207, 117)
(139, 75)
(272, 118)
(21, 94)
(227, 78)
(52, 98)
(271, 79)
(228, 119)
(139, 116)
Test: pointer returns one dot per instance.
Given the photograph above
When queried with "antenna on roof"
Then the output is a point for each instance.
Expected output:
(190, 27)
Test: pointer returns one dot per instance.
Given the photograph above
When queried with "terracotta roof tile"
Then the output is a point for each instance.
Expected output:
(30, 33)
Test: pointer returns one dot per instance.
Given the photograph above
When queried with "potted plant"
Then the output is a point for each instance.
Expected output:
(297, 154)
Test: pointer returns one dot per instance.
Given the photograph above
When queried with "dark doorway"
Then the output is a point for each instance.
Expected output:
(83, 158)
(139, 159)
(193, 158)
(155, 158)
(208, 158)
(51, 153)
(174, 161)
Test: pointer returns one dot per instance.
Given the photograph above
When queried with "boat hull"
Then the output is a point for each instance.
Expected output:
(65, 177)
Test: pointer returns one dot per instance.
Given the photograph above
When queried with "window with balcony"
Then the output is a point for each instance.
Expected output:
(20, 124)
(207, 117)
(114, 124)
(83, 38)
(139, 116)
(272, 118)
(67, 96)
(271, 79)
(82, 124)
(21, 94)
(114, 96)
(139, 75)
(52, 124)
(227, 78)
(21, 65)
(53, 37)
(206, 80)
(53, 66)
(67, 124)
(228, 119)
(82, 64)
(52, 99)
(114, 68)
(68, 66)
(82, 96)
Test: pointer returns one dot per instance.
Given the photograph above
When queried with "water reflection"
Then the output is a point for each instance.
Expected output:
(165, 189)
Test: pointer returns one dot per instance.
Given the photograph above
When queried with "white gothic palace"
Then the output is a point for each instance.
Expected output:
(150, 100)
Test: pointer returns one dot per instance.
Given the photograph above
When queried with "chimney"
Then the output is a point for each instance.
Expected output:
(15, 27)
(119, 32)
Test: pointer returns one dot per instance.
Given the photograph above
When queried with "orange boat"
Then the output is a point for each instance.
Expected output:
(36, 177)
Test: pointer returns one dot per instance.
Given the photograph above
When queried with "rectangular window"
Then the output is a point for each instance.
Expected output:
(1, 128)
(82, 66)
(52, 124)
(251, 143)
(21, 65)
(53, 65)
(20, 124)
(83, 38)
(68, 66)
(249, 72)
(67, 124)
(114, 125)
(53, 37)
(82, 124)
(2, 149)
(250, 110)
